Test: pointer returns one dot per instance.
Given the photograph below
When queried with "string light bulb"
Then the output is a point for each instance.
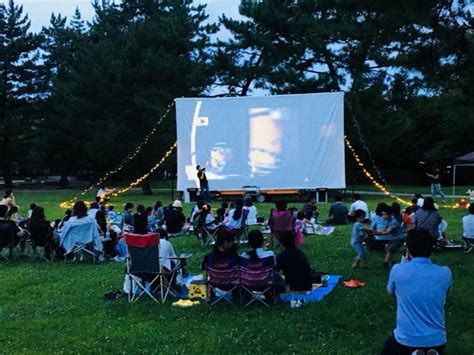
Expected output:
(130, 156)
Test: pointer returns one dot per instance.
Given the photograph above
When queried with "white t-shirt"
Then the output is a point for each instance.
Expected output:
(166, 252)
(468, 226)
(420, 202)
(231, 223)
(252, 216)
(359, 205)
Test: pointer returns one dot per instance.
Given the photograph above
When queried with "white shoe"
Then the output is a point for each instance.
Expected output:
(101, 259)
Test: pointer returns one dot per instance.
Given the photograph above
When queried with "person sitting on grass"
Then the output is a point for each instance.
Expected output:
(337, 212)
(175, 220)
(375, 241)
(94, 208)
(358, 204)
(30, 211)
(127, 217)
(300, 225)
(310, 210)
(10, 232)
(233, 221)
(252, 211)
(359, 233)
(223, 249)
(468, 229)
(221, 213)
(159, 212)
(140, 221)
(428, 218)
(258, 248)
(40, 231)
(421, 288)
(393, 234)
(294, 265)
(78, 230)
(9, 201)
(111, 214)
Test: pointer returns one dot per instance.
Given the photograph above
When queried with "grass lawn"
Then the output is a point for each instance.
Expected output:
(60, 307)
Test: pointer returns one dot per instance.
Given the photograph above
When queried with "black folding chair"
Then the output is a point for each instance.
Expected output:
(42, 236)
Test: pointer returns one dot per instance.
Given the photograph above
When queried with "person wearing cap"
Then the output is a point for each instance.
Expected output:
(175, 220)
(421, 288)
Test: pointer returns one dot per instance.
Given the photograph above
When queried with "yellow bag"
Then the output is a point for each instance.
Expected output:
(197, 290)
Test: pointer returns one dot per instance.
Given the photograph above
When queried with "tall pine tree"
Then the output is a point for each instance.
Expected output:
(18, 84)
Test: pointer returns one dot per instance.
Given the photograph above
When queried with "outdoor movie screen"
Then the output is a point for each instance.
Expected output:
(273, 142)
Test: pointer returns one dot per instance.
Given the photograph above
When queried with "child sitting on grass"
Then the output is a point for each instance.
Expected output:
(359, 233)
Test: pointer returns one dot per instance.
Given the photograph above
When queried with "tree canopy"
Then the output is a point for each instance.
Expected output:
(78, 97)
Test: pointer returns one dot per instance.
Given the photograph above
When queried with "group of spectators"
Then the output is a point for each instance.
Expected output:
(419, 285)
(389, 226)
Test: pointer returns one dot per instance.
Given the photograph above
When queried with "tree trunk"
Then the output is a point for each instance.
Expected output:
(64, 181)
(7, 175)
(146, 188)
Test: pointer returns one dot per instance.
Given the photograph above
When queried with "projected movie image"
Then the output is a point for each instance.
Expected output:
(271, 142)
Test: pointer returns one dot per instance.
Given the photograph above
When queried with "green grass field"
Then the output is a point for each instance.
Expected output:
(60, 307)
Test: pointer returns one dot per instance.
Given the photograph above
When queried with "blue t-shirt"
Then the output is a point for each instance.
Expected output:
(397, 230)
(358, 233)
(421, 288)
(379, 223)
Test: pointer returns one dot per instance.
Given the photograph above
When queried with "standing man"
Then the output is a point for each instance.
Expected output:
(203, 183)
(420, 288)
(435, 184)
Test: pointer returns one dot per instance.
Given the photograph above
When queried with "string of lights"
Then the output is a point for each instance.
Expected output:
(384, 188)
(379, 186)
(145, 176)
(366, 148)
(131, 155)
(70, 203)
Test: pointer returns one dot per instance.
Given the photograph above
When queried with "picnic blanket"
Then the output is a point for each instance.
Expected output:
(316, 230)
(315, 295)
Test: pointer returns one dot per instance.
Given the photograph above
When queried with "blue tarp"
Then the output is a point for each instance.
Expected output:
(316, 295)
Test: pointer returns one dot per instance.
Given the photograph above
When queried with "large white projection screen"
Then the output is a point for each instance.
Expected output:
(273, 142)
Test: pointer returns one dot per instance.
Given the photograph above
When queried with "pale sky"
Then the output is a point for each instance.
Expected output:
(39, 11)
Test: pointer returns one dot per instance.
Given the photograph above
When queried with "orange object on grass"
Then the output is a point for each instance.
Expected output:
(353, 283)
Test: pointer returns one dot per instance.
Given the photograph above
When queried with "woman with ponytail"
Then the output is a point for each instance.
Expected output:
(257, 247)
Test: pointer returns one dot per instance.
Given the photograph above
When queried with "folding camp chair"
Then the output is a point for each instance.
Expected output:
(223, 278)
(41, 236)
(9, 242)
(143, 266)
(280, 221)
(256, 281)
(241, 234)
(83, 239)
(208, 236)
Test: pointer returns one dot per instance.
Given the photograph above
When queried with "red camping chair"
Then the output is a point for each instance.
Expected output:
(143, 265)
(280, 221)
